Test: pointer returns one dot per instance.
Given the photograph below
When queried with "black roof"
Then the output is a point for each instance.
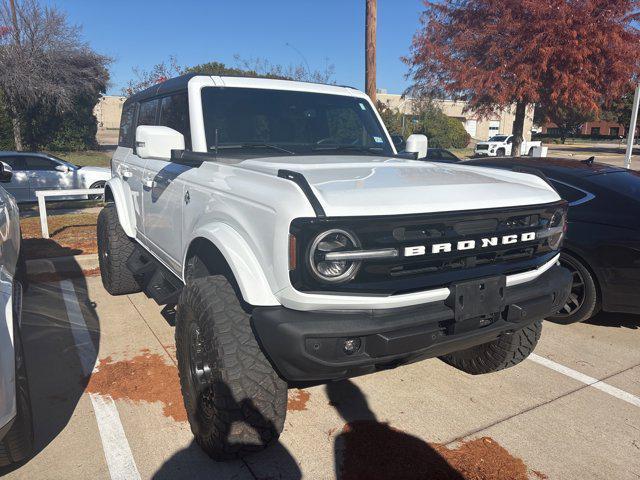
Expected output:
(563, 166)
(180, 83)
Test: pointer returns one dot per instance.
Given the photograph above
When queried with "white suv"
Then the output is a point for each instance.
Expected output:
(16, 430)
(301, 248)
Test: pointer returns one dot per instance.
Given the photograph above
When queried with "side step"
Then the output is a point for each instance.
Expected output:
(156, 280)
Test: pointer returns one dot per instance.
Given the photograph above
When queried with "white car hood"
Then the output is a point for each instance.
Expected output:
(358, 185)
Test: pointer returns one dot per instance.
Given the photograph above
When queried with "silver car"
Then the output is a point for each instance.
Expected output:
(41, 171)
(16, 428)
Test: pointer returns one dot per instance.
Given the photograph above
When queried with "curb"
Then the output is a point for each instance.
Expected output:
(57, 264)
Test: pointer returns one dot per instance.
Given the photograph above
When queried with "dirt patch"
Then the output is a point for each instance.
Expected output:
(71, 234)
(45, 277)
(144, 378)
(372, 450)
(297, 400)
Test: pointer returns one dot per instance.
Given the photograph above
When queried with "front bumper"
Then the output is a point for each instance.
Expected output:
(308, 346)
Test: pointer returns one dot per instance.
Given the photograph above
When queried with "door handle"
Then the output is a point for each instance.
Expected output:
(148, 183)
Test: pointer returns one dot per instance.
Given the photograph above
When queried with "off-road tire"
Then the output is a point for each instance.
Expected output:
(504, 352)
(114, 249)
(238, 404)
(500, 152)
(589, 299)
(17, 444)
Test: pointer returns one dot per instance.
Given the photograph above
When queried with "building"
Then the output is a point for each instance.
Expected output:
(480, 128)
(107, 112)
(592, 129)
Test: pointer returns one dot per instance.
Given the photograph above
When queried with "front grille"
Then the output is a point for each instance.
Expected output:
(408, 273)
(482, 147)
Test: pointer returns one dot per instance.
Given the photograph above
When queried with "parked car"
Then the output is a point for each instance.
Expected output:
(300, 249)
(500, 146)
(602, 247)
(34, 171)
(16, 429)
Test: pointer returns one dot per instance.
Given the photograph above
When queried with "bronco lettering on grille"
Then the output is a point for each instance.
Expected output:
(468, 244)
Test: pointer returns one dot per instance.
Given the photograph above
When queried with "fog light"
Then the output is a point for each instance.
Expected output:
(352, 345)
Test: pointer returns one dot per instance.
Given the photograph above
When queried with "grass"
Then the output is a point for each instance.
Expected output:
(71, 234)
(88, 158)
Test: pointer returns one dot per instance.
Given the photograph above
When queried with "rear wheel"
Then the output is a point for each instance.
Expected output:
(504, 352)
(583, 302)
(18, 442)
(530, 153)
(114, 249)
(235, 401)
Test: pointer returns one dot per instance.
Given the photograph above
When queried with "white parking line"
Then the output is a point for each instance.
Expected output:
(586, 379)
(116, 448)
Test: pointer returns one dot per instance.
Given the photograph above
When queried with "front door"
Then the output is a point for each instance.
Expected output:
(19, 184)
(47, 174)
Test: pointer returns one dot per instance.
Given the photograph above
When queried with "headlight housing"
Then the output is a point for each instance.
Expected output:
(333, 271)
(556, 228)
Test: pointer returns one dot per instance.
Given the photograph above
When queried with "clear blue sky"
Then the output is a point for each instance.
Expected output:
(143, 33)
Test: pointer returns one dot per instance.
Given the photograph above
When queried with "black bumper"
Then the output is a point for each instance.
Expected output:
(309, 346)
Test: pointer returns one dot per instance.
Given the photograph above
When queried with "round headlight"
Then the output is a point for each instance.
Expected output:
(333, 271)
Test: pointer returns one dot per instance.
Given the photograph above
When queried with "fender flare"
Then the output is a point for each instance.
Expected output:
(115, 190)
(244, 264)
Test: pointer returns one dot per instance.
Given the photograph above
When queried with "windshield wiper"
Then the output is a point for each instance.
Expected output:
(350, 148)
(257, 145)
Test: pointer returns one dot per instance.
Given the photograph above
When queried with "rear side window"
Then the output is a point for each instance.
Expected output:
(174, 113)
(147, 112)
(126, 125)
(567, 192)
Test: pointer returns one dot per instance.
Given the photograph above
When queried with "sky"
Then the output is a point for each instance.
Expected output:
(143, 33)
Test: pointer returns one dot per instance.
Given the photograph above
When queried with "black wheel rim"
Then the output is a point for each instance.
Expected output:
(200, 372)
(578, 292)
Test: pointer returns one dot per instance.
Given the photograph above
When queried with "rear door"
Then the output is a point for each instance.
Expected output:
(19, 185)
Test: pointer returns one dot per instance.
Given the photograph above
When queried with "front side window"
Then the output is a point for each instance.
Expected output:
(40, 163)
(498, 138)
(174, 113)
(296, 122)
(16, 163)
(126, 125)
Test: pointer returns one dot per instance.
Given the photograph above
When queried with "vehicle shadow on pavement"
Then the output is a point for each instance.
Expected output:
(56, 375)
(621, 320)
(273, 462)
(369, 449)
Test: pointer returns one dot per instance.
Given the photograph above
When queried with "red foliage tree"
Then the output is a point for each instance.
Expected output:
(577, 54)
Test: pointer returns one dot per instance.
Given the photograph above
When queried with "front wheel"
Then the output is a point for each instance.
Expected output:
(500, 152)
(504, 352)
(235, 401)
(583, 302)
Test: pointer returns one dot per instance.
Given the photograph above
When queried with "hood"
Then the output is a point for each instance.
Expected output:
(360, 185)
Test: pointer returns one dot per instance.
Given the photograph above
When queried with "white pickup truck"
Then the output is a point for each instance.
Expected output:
(301, 248)
(500, 146)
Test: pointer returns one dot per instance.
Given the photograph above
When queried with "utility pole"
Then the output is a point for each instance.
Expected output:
(370, 49)
(632, 127)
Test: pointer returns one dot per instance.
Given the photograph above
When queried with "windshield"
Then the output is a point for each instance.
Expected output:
(287, 122)
(498, 138)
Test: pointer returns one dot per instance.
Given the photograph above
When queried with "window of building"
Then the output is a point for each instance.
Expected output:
(614, 131)
(595, 130)
(471, 126)
(174, 113)
(126, 125)
(494, 127)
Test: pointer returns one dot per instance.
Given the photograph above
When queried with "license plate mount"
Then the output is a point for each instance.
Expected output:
(482, 297)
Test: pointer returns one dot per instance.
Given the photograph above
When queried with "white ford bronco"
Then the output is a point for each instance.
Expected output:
(299, 247)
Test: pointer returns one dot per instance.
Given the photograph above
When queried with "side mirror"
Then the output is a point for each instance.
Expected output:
(417, 144)
(157, 142)
(62, 168)
(6, 172)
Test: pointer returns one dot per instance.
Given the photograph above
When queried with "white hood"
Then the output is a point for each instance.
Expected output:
(359, 185)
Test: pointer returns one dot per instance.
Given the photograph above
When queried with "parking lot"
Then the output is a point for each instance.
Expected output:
(545, 418)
